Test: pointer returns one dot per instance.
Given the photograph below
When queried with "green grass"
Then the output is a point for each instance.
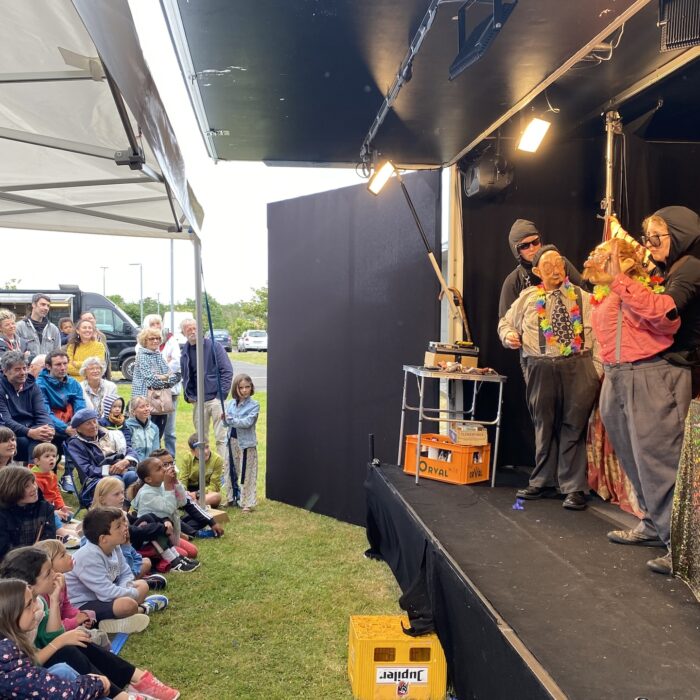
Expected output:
(254, 358)
(266, 615)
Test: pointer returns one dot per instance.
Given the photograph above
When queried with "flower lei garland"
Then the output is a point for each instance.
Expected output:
(653, 284)
(568, 291)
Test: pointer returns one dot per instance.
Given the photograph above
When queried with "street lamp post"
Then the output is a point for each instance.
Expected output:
(140, 266)
(104, 280)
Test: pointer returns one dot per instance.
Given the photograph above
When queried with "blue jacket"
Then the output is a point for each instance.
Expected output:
(144, 438)
(211, 385)
(23, 410)
(58, 395)
(87, 455)
(243, 416)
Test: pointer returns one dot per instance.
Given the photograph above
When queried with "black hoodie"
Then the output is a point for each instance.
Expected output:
(683, 281)
(523, 276)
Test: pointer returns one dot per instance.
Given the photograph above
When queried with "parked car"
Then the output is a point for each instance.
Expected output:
(253, 340)
(224, 337)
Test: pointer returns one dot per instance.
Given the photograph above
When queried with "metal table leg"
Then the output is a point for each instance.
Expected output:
(420, 425)
(403, 417)
(498, 434)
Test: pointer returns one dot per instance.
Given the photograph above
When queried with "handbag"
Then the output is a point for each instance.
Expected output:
(161, 401)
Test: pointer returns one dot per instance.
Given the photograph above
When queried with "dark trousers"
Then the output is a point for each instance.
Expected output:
(159, 422)
(94, 659)
(643, 406)
(560, 394)
(25, 448)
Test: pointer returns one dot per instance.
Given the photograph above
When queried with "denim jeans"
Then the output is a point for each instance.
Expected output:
(169, 435)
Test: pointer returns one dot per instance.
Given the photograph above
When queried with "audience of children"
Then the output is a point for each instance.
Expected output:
(102, 581)
(189, 472)
(158, 492)
(144, 432)
(25, 516)
(241, 416)
(51, 644)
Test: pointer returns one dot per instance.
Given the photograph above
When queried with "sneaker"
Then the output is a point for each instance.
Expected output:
(71, 542)
(661, 565)
(206, 533)
(156, 582)
(634, 537)
(149, 685)
(184, 565)
(66, 484)
(154, 603)
(128, 625)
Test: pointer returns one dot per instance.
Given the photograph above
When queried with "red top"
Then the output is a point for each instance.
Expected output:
(48, 483)
(646, 328)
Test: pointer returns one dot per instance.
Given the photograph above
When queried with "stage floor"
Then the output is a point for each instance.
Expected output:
(593, 615)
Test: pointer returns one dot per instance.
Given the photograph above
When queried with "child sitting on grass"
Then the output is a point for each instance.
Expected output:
(20, 674)
(45, 456)
(241, 417)
(102, 581)
(189, 472)
(52, 645)
(158, 492)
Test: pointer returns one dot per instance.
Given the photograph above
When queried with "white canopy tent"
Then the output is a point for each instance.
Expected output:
(72, 156)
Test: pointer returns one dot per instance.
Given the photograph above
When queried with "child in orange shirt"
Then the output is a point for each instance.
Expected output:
(45, 455)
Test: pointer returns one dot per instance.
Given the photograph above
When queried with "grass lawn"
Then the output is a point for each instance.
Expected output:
(266, 615)
(255, 358)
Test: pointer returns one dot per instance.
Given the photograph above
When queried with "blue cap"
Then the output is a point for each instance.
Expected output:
(82, 416)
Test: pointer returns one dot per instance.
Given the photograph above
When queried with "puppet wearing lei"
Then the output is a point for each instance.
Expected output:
(568, 292)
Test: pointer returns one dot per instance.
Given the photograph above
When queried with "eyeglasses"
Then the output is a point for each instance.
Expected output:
(653, 239)
(168, 464)
(527, 244)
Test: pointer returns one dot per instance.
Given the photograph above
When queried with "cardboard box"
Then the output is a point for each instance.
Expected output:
(220, 516)
(432, 359)
(468, 434)
(442, 460)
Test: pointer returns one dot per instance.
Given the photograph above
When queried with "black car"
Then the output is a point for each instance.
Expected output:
(224, 337)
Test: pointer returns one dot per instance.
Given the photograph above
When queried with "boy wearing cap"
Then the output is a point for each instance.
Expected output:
(550, 324)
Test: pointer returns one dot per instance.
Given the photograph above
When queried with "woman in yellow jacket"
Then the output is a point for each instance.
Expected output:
(81, 345)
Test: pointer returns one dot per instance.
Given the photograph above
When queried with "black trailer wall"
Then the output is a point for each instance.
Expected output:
(352, 299)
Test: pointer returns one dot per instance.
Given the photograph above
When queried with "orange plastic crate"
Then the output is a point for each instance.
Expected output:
(443, 460)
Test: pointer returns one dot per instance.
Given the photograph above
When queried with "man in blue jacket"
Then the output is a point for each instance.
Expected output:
(22, 406)
(218, 376)
(63, 395)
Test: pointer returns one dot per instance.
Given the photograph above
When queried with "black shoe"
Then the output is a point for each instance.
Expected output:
(575, 501)
(531, 492)
(156, 582)
(661, 565)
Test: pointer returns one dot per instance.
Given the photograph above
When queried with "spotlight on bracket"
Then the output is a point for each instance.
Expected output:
(534, 132)
(380, 177)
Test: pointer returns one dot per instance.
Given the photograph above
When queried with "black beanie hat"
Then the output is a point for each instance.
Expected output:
(521, 229)
(544, 249)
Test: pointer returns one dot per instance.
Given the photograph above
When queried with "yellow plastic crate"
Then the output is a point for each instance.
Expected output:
(384, 663)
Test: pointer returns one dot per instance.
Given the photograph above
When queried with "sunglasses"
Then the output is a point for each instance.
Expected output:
(654, 239)
(528, 244)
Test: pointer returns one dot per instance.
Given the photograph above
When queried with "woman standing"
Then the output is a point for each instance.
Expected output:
(95, 388)
(99, 335)
(81, 345)
(151, 371)
(9, 340)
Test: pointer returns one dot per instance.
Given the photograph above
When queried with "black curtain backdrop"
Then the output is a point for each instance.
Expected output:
(352, 299)
(560, 190)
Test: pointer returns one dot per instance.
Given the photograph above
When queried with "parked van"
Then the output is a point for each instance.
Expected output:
(70, 301)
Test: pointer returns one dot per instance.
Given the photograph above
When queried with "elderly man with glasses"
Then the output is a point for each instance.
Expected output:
(550, 323)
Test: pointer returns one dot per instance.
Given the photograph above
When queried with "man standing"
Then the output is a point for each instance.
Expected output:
(22, 406)
(41, 335)
(551, 323)
(524, 240)
(672, 236)
(218, 376)
(64, 396)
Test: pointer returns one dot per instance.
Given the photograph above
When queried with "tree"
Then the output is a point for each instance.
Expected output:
(12, 283)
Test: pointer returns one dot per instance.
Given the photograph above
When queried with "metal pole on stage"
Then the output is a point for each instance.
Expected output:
(613, 126)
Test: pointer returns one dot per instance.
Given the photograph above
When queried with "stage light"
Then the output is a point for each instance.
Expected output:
(381, 177)
(534, 133)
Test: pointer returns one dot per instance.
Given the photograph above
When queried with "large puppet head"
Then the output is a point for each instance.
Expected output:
(599, 267)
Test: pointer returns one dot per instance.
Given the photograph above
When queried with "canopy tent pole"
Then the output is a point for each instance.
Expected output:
(199, 406)
(172, 287)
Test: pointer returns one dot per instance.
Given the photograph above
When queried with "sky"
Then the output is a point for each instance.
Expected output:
(234, 197)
